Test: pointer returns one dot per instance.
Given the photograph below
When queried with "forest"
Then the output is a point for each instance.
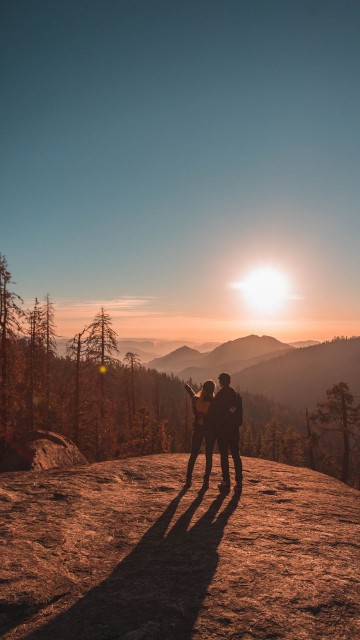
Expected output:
(114, 407)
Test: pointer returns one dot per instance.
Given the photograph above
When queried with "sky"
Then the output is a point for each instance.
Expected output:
(155, 155)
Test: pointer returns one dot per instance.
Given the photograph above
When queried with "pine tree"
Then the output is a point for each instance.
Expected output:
(76, 350)
(339, 415)
(101, 345)
(148, 435)
(248, 440)
(311, 442)
(292, 449)
(271, 441)
(101, 342)
(132, 363)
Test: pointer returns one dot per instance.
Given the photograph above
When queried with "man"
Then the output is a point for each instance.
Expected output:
(226, 417)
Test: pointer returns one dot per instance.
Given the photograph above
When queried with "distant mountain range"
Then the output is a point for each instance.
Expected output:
(300, 344)
(146, 349)
(297, 375)
(231, 356)
(300, 377)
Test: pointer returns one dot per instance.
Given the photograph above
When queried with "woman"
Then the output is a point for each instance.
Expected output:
(201, 404)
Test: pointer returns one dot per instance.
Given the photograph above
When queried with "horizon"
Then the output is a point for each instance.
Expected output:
(72, 319)
(191, 167)
(191, 341)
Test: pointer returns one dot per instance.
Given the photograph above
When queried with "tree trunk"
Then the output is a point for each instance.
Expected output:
(345, 434)
(48, 354)
(32, 371)
(132, 389)
(4, 366)
(77, 391)
(310, 443)
(157, 399)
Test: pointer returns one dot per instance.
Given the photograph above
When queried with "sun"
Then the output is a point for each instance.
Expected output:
(265, 289)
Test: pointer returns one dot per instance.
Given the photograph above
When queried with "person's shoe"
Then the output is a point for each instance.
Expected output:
(224, 486)
(238, 487)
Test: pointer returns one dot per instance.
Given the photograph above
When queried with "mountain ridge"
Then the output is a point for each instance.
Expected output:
(228, 356)
(176, 357)
(301, 377)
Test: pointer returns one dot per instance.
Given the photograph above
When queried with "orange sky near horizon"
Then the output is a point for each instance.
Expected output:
(273, 298)
(157, 325)
(265, 299)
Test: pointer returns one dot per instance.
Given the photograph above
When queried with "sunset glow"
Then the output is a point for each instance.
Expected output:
(265, 289)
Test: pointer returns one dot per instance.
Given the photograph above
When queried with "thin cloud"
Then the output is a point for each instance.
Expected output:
(114, 304)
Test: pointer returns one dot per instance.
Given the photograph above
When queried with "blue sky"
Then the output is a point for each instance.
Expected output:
(155, 152)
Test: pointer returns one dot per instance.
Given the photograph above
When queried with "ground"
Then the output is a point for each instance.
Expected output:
(119, 550)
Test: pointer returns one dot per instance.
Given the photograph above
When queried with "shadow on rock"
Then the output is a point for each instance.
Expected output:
(157, 591)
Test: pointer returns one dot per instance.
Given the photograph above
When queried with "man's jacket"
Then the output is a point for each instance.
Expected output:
(220, 416)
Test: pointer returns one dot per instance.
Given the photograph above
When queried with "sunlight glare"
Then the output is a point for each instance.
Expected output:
(264, 289)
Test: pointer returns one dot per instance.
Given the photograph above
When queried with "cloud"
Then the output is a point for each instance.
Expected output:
(127, 303)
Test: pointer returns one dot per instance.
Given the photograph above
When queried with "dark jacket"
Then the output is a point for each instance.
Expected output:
(220, 416)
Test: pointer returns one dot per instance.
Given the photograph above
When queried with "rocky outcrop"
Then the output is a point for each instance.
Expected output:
(118, 550)
(40, 450)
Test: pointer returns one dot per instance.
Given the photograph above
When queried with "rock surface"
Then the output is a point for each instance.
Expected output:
(40, 450)
(117, 550)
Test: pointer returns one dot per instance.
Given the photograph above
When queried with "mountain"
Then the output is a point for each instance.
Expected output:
(146, 349)
(231, 356)
(118, 549)
(302, 376)
(176, 360)
(207, 346)
(243, 349)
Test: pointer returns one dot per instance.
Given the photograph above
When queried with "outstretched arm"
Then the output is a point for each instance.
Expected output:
(190, 391)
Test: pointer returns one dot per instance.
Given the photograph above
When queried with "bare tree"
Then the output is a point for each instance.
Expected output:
(101, 345)
(36, 341)
(76, 350)
(50, 346)
(10, 326)
(132, 363)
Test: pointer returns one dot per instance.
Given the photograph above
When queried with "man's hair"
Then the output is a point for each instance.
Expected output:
(224, 379)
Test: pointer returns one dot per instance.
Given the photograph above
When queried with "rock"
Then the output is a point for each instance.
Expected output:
(41, 450)
(97, 552)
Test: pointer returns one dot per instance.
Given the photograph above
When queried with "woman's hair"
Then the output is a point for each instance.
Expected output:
(207, 391)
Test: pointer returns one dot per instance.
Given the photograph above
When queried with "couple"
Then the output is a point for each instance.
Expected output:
(217, 417)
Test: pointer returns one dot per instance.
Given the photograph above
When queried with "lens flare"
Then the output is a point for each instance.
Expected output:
(102, 368)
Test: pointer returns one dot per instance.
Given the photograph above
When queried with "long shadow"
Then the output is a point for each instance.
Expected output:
(159, 588)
